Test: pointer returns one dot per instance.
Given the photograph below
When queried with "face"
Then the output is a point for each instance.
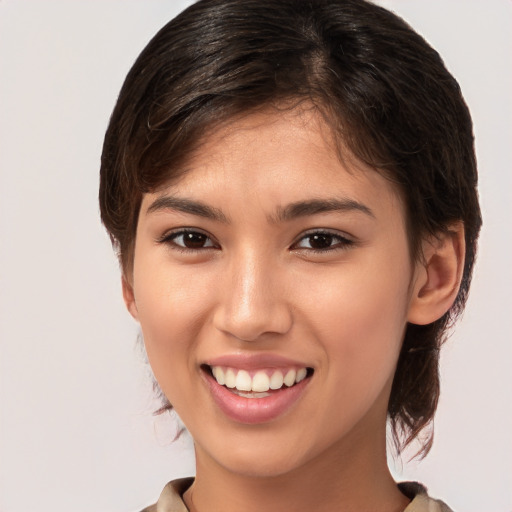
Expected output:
(272, 285)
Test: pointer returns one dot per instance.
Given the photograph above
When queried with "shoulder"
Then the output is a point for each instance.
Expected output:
(170, 500)
(420, 500)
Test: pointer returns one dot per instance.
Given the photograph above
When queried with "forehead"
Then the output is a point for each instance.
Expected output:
(274, 157)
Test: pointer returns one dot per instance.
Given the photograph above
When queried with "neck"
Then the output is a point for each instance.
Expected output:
(345, 478)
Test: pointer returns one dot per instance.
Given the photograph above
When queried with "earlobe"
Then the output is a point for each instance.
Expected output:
(438, 276)
(129, 297)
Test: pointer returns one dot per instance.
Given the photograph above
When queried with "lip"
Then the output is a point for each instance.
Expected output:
(254, 410)
(251, 362)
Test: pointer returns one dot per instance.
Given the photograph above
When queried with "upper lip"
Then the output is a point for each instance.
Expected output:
(248, 361)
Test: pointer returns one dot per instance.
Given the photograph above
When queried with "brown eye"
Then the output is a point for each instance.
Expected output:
(322, 241)
(193, 240)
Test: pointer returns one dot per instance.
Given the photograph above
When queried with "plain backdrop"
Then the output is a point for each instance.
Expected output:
(76, 429)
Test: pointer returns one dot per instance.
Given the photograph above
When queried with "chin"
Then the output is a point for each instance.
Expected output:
(258, 459)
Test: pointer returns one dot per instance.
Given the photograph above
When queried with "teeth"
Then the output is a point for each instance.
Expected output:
(276, 380)
(243, 381)
(229, 378)
(251, 394)
(259, 383)
(289, 378)
(301, 375)
(219, 375)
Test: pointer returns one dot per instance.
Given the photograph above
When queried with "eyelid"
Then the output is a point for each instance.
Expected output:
(169, 236)
(344, 239)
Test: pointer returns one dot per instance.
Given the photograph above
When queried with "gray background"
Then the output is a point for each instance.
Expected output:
(76, 431)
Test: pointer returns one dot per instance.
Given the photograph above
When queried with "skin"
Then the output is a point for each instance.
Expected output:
(257, 286)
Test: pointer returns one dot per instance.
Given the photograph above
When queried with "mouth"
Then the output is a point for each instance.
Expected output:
(257, 383)
(253, 396)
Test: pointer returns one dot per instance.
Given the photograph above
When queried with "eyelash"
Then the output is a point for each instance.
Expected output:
(342, 242)
(170, 239)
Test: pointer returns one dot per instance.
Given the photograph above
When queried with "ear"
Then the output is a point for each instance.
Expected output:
(129, 297)
(438, 275)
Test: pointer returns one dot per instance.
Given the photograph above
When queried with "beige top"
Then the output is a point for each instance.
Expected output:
(170, 500)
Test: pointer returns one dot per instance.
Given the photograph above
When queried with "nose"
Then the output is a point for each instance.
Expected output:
(253, 301)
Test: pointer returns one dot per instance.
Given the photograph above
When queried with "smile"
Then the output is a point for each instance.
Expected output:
(256, 384)
(253, 395)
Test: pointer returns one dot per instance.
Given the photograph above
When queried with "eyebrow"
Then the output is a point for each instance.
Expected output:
(187, 206)
(317, 206)
(283, 214)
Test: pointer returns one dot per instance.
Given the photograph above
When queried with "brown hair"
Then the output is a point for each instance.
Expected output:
(383, 89)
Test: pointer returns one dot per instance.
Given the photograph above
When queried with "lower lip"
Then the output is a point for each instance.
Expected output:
(255, 410)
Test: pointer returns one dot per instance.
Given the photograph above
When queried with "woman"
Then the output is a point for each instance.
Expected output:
(291, 189)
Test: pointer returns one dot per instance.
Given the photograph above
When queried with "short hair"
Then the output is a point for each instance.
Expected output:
(383, 90)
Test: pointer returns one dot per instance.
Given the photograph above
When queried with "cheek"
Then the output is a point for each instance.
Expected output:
(360, 316)
(168, 295)
(170, 304)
